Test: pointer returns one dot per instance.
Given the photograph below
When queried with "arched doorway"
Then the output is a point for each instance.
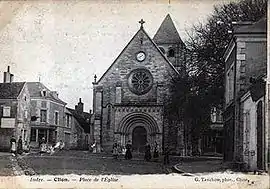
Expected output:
(139, 139)
(260, 135)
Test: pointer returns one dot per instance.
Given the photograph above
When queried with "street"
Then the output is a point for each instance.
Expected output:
(83, 162)
(6, 164)
(80, 162)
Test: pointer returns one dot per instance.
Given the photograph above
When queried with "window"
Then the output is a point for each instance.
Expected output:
(230, 84)
(33, 135)
(56, 118)
(171, 53)
(25, 114)
(6, 111)
(214, 115)
(43, 93)
(140, 81)
(68, 120)
(43, 116)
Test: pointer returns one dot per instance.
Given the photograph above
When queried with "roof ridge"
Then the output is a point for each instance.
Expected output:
(151, 40)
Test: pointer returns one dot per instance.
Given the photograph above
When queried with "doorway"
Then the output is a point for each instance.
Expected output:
(139, 139)
(260, 136)
(67, 140)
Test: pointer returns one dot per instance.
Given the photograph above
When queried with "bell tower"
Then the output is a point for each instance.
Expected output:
(170, 43)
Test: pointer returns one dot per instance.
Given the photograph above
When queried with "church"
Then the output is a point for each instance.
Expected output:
(128, 100)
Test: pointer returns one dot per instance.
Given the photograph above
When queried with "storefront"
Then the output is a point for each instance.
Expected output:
(37, 133)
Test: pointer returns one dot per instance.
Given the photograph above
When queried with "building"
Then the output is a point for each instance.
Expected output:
(212, 138)
(14, 111)
(244, 115)
(128, 100)
(80, 123)
(47, 116)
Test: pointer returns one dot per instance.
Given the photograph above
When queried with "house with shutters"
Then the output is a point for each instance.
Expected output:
(48, 116)
(14, 111)
(245, 129)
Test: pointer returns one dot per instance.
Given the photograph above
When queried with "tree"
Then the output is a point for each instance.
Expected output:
(202, 88)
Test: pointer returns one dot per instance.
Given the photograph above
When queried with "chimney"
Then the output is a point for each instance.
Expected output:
(8, 77)
(79, 107)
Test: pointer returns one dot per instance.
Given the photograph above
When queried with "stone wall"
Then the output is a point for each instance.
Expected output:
(250, 62)
(113, 87)
(20, 111)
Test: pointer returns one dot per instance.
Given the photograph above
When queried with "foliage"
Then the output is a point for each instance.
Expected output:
(203, 87)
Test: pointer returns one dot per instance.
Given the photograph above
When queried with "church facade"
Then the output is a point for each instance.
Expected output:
(128, 100)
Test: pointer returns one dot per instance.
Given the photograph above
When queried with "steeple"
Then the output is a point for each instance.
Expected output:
(167, 33)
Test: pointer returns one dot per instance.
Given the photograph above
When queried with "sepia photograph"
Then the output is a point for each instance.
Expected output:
(134, 94)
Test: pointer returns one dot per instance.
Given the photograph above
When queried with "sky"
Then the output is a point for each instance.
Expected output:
(65, 43)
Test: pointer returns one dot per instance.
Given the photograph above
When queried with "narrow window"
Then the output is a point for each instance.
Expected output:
(43, 116)
(56, 117)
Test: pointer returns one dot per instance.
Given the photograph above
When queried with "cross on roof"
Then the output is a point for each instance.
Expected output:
(141, 22)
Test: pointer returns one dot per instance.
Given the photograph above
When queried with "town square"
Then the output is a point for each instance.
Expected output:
(134, 88)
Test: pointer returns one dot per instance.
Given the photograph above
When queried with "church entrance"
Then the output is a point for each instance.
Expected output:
(139, 139)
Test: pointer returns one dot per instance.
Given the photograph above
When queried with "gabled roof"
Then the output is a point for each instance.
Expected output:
(167, 32)
(83, 119)
(35, 89)
(258, 27)
(154, 44)
(11, 90)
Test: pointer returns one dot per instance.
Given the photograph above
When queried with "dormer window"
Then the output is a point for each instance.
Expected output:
(171, 53)
(43, 93)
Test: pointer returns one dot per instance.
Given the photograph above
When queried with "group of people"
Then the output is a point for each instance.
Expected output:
(17, 147)
(148, 155)
(50, 149)
(117, 150)
(127, 151)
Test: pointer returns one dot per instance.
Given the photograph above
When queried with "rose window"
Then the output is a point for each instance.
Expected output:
(140, 81)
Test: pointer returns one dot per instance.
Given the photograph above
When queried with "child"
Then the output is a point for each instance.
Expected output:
(13, 145)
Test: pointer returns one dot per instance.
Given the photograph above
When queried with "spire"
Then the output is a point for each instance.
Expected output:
(167, 32)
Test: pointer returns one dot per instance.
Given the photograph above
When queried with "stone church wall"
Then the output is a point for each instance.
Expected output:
(116, 91)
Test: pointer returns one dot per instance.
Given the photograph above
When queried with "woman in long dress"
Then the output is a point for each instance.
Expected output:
(156, 151)
(20, 146)
(13, 145)
(128, 154)
(115, 150)
(147, 155)
(43, 146)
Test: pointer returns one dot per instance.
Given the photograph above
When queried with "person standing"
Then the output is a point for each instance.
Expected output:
(156, 150)
(128, 154)
(20, 146)
(42, 146)
(147, 155)
(13, 145)
(94, 147)
(115, 150)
